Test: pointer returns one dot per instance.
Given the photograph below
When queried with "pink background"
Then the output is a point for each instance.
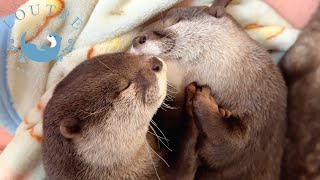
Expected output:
(9, 6)
(4, 139)
(297, 12)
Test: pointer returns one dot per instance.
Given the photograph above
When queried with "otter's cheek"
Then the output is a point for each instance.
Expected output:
(134, 51)
(148, 48)
(176, 74)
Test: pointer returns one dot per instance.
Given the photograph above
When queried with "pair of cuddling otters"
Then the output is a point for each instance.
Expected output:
(230, 117)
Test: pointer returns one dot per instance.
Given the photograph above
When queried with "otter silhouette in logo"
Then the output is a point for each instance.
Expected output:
(45, 53)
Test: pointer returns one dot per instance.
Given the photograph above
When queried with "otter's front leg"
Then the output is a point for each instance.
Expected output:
(186, 159)
(217, 8)
(221, 133)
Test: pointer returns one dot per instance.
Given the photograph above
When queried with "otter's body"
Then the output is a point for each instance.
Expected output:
(301, 67)
(243, 79)
(96, 123)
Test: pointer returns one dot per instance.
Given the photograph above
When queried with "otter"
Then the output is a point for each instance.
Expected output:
(301, 68)
(241, 115)
(96, 124)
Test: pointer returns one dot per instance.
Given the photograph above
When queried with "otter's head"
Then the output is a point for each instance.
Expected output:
(103, 108)
(191, 40)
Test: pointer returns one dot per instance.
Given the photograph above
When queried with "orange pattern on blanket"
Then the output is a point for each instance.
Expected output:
(276, 34)
(34, 135)
(252, 26)
(40, 106)
(90, 52)
(117, 11)
(25, 120)
(60, 8)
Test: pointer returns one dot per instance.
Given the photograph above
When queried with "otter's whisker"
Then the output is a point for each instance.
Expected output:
(163, 108)
(167, 98)
(96, 112)
(158, 136)
(197, 12)
(158, 154)
(154, 166)
(161, 140)
(168, 106)
(158, 140)
(155, 124)
(171, 86)
(104, 64)
(170, 96)
(171, 90)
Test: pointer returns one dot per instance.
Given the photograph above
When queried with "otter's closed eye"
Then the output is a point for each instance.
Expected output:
(125, 86)
(160, 34)
(180, 19)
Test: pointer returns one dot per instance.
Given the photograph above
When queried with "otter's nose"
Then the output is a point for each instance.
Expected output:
(156, 64)
(139, 40)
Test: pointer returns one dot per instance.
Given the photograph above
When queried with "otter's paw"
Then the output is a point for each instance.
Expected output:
(190, 132)
(202, 100)
(189, 94)
(225, 113)
(217, 11)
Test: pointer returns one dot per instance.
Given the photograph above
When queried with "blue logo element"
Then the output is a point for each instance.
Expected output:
(45, 53)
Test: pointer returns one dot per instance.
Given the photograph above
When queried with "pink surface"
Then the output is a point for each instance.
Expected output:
(9, 6)
(5, 138)
(297, 12)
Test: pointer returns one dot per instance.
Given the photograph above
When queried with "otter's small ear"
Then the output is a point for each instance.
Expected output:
(70, 128)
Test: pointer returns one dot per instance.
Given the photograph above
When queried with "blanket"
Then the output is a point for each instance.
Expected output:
(88, 29)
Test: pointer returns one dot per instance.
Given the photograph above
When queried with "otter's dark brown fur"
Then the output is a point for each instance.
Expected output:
(301, 67)
(96, 123)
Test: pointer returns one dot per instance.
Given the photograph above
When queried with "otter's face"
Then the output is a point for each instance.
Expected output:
(104, 106)
(183, 34)
(192, 42)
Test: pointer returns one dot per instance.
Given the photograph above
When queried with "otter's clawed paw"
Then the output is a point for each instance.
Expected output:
(190, 91)
(225, 113)
(203, 99)
(217, 11)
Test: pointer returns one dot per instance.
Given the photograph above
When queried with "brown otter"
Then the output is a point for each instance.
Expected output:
(96, 123)
(301, 67)
(245, 138)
